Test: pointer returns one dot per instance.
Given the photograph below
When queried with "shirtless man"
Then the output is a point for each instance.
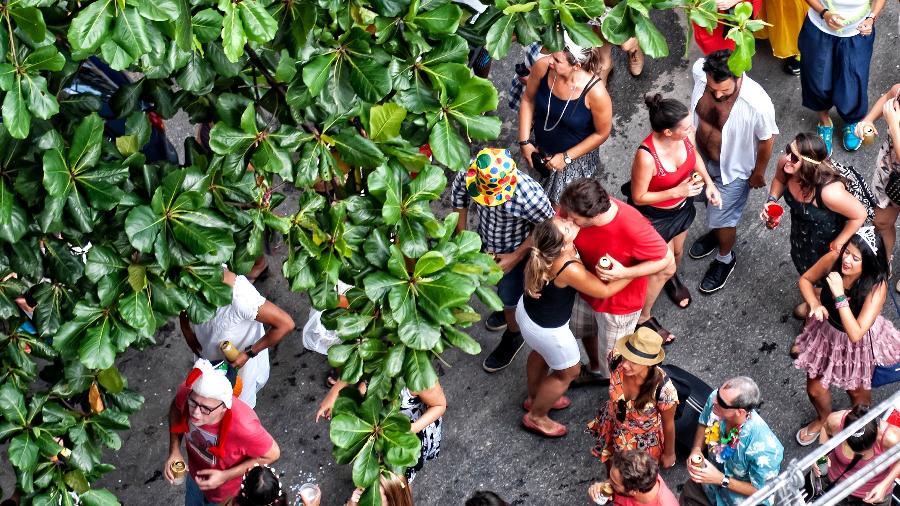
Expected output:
(735, 122)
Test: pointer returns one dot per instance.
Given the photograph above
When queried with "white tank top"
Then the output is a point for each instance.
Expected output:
(853, 11)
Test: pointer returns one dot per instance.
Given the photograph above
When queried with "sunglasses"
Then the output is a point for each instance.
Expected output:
(206, 410)
(794, 159)
(621, 409)
(724, 405)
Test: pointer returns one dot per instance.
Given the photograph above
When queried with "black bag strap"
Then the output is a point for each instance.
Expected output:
(856, 458)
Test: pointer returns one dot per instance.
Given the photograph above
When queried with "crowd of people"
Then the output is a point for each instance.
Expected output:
(581, 264)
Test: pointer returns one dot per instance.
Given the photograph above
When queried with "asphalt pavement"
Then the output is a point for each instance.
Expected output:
(745, 329)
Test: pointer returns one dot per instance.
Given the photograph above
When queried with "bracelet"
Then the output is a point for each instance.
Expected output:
(823, 13)
(842, 304)
(772, 198)
(840, 298)
(524, 143)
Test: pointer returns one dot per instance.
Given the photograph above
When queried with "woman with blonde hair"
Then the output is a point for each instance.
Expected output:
(394, 489)
(553, 277)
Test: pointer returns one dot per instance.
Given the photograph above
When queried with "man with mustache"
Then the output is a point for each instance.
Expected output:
(735, 122)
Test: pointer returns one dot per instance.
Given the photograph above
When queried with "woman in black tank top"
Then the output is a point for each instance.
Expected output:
(553, 276)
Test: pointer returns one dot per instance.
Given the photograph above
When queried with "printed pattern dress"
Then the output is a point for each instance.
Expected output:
(642, 426)
(412, 407)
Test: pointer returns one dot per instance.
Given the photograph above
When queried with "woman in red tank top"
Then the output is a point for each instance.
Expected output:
(666, 174)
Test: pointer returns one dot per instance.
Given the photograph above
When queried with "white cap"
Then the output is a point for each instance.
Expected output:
(212, 383)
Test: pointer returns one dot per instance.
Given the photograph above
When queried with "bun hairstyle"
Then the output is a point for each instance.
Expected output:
(865, 438)
(261, 487)
(665, 113)
(548, 243)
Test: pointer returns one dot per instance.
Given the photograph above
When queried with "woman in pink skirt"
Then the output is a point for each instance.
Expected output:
(845, 333)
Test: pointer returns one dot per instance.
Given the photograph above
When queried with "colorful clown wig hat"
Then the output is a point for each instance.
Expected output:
(206, 381)
(491, 179)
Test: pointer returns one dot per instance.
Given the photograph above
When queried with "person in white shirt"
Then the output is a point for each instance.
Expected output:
(241, 323)
(735, 122)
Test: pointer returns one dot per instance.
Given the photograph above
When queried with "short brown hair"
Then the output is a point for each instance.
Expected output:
(585, 197)
(638, 469)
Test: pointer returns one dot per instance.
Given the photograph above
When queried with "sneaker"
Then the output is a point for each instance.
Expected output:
(791, 66)
(826, 132)
(851, 141)
(504, 353)
(636, 62)
(717, 275)
(496, 321)
(703, 246)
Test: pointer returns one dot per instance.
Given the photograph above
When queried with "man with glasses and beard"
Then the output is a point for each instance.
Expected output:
(735, 122)
(224, 437)
(742, 452)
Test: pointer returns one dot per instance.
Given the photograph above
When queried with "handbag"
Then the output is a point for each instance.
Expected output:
(815, 488)
(885, 374)
(892, 188)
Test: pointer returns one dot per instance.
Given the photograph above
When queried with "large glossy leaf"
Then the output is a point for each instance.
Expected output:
(448, 147)
(91, 26)
(259, 25)
(23, 451)
(12, 404)
(385, 121)
(233, 36)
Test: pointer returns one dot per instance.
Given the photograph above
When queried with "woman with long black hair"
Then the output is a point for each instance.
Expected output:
(845, 331)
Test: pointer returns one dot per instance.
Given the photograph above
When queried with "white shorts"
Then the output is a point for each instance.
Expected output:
(557, 345)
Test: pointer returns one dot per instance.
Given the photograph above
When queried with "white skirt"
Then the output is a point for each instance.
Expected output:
(557, 345)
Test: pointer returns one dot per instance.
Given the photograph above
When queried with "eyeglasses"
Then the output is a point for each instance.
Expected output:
(724, 405)
(206, 410)
(621, 408)
(794, 159)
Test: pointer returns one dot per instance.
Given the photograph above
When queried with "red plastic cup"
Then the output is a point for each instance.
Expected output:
(774, 213)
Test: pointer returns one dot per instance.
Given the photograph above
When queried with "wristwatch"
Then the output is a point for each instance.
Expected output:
(725, 481)
(249, 351)
(567, 158)
(524, 143)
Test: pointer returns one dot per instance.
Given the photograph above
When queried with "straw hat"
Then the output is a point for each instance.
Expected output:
(491, 179)
(643, 347)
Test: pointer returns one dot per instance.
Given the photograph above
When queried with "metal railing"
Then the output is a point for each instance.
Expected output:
(787, 487)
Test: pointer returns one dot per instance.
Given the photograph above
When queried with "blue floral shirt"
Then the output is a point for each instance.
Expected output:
(756, 459)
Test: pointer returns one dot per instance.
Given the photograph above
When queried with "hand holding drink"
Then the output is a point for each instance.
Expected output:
(310, 494)
(601, 492)
(773, 213)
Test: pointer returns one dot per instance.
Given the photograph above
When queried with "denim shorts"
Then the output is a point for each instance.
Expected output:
(512, 285)
(734, 199)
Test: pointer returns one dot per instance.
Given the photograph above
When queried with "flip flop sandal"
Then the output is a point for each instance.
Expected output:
(805, 430)
(561, 403)
(532, 427)
(655, 326)
(678, 292)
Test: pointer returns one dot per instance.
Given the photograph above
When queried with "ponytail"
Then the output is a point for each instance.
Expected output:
(548, 243)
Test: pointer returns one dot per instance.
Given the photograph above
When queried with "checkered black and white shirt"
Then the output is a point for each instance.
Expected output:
(503, 228)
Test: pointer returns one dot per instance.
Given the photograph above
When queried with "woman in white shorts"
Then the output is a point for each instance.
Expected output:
(553, 277)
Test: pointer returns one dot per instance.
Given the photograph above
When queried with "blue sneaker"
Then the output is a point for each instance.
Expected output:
(851, 141)
(826, 132)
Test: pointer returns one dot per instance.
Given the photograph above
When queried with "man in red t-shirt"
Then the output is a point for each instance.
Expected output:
(224, 437)
(635, 480)
(610, 227)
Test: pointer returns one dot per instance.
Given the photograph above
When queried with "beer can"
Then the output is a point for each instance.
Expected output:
(868, 134)
(697, 461)
(696, 177)
(605, 262)
(231, 353)
(178, 471)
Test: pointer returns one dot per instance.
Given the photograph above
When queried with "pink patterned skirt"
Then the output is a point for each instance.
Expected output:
(826, 353)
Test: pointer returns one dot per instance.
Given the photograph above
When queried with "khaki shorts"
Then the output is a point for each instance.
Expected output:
(609, 328)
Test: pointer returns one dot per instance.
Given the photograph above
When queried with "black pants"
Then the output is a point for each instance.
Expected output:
(693, 495)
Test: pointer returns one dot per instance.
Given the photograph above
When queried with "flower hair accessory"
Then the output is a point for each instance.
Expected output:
(868, 235)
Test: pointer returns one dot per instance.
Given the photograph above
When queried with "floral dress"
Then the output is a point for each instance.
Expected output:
(642, 426)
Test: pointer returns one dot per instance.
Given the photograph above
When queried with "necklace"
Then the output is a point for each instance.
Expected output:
(550, 98)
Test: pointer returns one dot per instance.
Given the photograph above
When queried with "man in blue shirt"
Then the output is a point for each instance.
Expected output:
(742, 452)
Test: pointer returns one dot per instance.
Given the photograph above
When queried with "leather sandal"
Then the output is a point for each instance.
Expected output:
(561, 403)
(530, 426)
(652, 324)
(677, 292)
